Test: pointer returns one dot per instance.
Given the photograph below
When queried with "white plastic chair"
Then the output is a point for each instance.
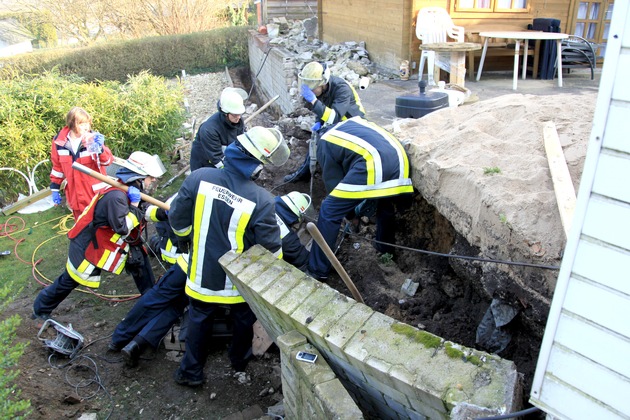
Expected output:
(435, 25)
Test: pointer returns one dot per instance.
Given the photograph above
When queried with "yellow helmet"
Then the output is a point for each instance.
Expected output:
(265, 144)
(314, 74)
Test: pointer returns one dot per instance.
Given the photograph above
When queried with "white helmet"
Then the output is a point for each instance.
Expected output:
(298, 203)
(144, 164)
(265, 144)
(231, 101)
(314, 74)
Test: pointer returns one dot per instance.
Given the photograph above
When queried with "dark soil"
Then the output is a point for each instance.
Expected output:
(444, 304)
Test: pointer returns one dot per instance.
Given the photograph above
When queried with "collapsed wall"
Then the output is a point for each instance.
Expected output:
(391, 369)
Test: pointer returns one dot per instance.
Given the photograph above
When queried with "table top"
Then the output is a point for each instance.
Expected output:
(451, 46)
(523, 35)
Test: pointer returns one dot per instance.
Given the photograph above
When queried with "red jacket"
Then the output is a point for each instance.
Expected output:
(80, 187)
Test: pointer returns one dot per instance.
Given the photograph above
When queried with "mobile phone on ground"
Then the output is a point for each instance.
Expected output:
(306, 356)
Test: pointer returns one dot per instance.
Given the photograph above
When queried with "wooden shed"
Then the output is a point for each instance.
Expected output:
(387, 26)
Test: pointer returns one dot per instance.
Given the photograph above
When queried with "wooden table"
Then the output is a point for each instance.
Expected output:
(522, 36)
(456, 58)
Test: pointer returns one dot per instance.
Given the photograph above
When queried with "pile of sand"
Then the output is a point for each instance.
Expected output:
(457, 153)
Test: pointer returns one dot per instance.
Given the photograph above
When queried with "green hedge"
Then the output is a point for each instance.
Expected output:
(145, 113)
(160, 55)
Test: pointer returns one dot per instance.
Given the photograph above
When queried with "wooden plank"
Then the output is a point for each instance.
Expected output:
(562, 185)
(599, 305)
(608, 271)
(25, 202)
(594, 343)
(606, 220)
(562, 401)
(613, 171)
(610, 388)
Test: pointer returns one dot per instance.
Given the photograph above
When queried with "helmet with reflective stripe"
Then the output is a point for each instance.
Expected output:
(265, 144)
(143, 164)
(297, 202)
(231, 101)
(314, 74)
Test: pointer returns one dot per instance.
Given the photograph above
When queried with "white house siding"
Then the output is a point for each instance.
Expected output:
(583, 370)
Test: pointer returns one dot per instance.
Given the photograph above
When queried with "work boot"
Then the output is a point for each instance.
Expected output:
(302, 174)
(322, 278)
(114, 346)
(131, 353)
(181, 379)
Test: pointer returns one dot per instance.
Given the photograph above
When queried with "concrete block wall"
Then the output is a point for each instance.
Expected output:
(312, 391)
(381, 362)
(277, 75)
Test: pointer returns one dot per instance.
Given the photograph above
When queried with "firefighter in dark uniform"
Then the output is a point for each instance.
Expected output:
(218, 131)
(156, 311)
(164, 244)
(331, 98)
(107, 236)
(359, 161)
(223, 210)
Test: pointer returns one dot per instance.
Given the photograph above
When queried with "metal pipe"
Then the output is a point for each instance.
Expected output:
(317, 236)
(117, 184)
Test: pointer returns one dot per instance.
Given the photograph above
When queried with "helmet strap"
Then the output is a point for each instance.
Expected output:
(256, 174)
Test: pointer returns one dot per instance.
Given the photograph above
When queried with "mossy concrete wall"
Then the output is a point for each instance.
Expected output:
(312, 390)
(392, 370)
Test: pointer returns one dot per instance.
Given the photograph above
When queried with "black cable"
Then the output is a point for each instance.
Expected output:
(260, 68)
(511, 415)
(462, 257)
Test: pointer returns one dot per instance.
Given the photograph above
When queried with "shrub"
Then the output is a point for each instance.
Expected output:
(160, 55)
(145, 113)
(11, 405)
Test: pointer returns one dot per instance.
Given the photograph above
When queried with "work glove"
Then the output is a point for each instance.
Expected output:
(134, 195)
(316, 126)
(308, 94)
(99, 139)
(56, 198)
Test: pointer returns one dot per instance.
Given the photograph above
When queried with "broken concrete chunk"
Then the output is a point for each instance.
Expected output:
(409, 287)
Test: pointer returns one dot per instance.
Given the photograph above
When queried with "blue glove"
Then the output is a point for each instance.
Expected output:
(134, 194)
(308, 94)
(316, 126)
(56, 198)
(99, 139)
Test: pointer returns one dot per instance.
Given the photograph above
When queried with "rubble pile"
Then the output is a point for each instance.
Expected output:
(348, 60)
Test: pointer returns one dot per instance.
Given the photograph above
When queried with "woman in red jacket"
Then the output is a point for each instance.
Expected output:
(76, 142)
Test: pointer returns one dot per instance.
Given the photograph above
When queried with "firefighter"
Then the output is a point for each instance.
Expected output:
(225, 210)
(107, 236)
(359, 161)
(218, 131)
(156, 311)
(331, 98)
(76, 142)
(164, 244)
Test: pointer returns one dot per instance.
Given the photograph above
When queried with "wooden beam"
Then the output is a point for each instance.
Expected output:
(25, 202)
(562, 184)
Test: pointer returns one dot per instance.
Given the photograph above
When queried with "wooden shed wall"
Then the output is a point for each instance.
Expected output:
(388, 26)
(290, 9)
(382, 24)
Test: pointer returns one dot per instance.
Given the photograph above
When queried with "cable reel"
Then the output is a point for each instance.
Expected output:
(67, 342)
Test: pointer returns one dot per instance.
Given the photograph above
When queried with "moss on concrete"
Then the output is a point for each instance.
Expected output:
(428, 340)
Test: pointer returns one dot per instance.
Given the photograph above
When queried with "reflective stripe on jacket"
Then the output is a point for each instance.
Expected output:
(361, 160)
(97, 240)
(339, 102)
(223, 211)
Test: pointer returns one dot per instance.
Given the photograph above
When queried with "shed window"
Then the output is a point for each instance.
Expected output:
(491, 5)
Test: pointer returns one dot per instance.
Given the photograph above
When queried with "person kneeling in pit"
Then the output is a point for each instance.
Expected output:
(158, 310)
(108, 236)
